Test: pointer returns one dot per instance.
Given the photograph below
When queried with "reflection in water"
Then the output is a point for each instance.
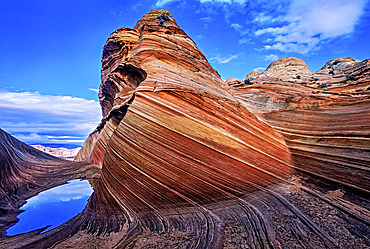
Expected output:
(52, 207)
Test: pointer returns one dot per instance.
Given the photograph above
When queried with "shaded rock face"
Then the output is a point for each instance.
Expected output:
(190, 161)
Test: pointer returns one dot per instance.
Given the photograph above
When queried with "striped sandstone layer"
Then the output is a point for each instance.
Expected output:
(324, 117)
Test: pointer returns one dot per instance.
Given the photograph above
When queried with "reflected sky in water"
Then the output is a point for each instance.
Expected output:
(52, 207)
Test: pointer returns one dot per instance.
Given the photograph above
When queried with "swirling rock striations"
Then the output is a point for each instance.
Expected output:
(172, 137)
(186, 163)
(324, 117)
(190, 161)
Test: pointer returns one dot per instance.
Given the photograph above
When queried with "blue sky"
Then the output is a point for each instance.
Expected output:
(51, 49)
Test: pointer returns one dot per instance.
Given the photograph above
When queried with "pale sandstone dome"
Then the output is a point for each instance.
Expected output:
(234, 82)
(339, 63)
(252, 75)
(287, 66)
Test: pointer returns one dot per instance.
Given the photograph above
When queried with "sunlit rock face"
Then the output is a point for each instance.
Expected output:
(324, 116)
(187, 164)
(173, 137)
(287, 66)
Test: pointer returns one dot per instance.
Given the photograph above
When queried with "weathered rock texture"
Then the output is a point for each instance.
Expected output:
(184, 164)
(324, 117)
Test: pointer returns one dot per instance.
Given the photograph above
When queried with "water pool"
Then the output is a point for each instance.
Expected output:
(52, 207)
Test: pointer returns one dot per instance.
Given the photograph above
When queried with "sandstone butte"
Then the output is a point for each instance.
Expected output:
(183, 159)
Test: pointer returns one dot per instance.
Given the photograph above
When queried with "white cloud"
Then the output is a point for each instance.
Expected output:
(60, 105)
(35, 138)
(199, 37)
(307, 23)
(245, 41)
(36, 118)
(94, 90)
(262, 17)
(236, 26)
(206, 19)
(259, 69)
(271, 57)
(223, 1)
(161, 3)
(239, 28)
(223, 60)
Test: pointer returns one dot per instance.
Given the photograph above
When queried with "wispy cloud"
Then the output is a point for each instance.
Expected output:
(206, 19)
(161, 3)
(271, 57)
(239, 28)
(307, 23)
(223, 60)
(245, 41)
(259, 69)
(36, 118)
(223, 1)
(199, 37)
(94, 90)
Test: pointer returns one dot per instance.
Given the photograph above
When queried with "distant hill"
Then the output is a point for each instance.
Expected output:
(61, 152)
(67, 146)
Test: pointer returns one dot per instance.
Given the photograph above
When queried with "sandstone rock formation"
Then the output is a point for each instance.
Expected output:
(190, 161)
(325, 121)
(287, 66)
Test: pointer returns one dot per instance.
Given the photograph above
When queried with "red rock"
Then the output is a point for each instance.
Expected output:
(234, 82)
(325, 122)
(170, 126)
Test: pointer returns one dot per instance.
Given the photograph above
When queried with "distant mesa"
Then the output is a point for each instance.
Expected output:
(187, 160)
